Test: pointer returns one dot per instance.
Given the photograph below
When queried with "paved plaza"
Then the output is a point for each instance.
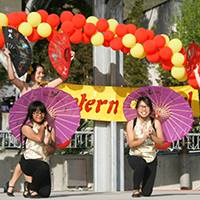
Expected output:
(157, 194)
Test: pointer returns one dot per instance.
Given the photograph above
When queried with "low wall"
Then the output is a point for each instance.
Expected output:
(74, 171)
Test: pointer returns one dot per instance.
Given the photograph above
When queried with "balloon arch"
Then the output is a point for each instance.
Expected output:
(136, 41)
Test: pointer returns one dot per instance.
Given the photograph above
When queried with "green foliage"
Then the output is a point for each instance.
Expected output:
(135, 70)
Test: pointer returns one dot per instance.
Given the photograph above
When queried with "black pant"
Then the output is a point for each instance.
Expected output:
(144, 174)
(40, 172)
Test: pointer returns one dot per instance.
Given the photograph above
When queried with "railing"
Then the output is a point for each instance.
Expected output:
(81, 140)
(85, 140)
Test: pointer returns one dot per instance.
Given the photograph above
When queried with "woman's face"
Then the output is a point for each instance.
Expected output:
(38, 116)
(39, 74)
(143, 109)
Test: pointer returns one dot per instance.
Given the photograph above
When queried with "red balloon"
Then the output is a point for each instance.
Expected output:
(44, 14)
(78, 20)
(89, 29)
(66, 16)
(125, 49)
(149, 46)
(1, 40)
(159, 40)
(150, 34)
(67, 27)
(165, 53)
(52, 34)
(131, 28)
(64, 145)
(102, 25)
(34, 37)
(121, 30)
(76, 37)
(106, 43)
(141, 35)
(13, 20)
(116, 44)
(164, 146)
(154, 58)
(85, 39)
(108, 35)
(53, 20)
(166, 67)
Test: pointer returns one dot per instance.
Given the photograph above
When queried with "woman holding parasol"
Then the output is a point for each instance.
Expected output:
(34, 80)
(143, 133)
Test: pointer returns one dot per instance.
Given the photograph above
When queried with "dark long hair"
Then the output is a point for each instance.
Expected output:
(31, 71)
(33, 107)
(147, 101)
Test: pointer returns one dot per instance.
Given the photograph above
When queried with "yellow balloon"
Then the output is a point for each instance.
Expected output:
(178, 59)
(184, 78)
(25, 28)
(175, 45)
(34, 19)
(44, 30)
(129, 40)
(112, 24)
(166, 38)
(178, 72)
(3, 20)
(92, 19)
(97, 39)
(137, 51)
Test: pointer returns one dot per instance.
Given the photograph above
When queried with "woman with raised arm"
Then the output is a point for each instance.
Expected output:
(34, 80)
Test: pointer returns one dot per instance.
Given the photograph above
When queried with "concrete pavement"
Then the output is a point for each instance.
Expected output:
(157, 194)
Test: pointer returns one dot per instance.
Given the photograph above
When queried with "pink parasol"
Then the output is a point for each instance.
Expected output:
(170, 107)
(64, 113)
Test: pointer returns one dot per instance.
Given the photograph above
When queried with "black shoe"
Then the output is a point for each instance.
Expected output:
(11, 194)
(26, 192)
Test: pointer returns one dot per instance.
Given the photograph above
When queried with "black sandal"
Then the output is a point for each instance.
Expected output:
(136, 193)
(32, 195)
(10, 194)
(26, 192)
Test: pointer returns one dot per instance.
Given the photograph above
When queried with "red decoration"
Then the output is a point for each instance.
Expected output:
(121, 30)
(165, 53)
(159, 40)
(64, 145)
(149, 46)
(66, 16)
(85, 39)
(44, 14)
(13, 20)
(34, 37)
(53, 20)
(90, 29)
(67, 27)
(141, 35)
(116, 44)
(102, 25)
(193, 83)
(76, 37)
(108, 35)
(164, 146)
(78, 20)
(1, 40)
(106, 43)
(154, 58)
(125, 50)
(59, 51)
(131, 28)
(166, 67)
(150, 34)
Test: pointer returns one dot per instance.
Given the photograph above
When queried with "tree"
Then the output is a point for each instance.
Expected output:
(135, 70)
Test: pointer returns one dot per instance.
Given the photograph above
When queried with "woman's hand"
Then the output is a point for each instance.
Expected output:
(6, 53)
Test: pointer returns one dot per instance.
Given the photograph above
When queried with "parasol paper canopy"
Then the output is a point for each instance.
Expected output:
(64, 107)
(59, 51)
(170, 107)
(20, 50)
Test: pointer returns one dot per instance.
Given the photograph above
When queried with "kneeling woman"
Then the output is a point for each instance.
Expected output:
(39, 143)
(143, 133)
